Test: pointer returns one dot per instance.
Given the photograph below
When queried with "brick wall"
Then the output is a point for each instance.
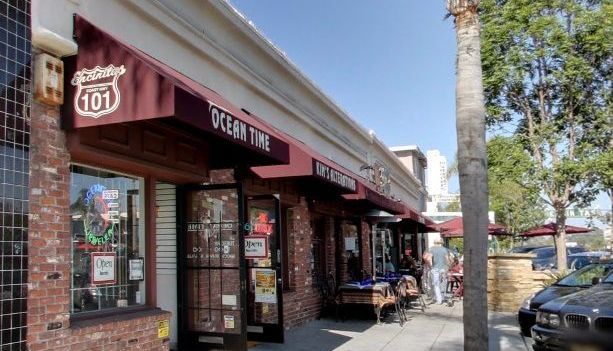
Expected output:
(302, 302)
(366, 248)
(50, 244)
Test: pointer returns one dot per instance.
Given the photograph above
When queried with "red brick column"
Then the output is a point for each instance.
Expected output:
(366, 248)
(49, 235)
(302, 302)
(49, 243)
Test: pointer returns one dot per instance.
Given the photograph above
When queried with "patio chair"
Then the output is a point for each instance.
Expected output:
(414, 293)
(401, 300)
(329, 295)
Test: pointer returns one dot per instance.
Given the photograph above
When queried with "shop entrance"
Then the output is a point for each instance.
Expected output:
(212, 292)
(264, 271)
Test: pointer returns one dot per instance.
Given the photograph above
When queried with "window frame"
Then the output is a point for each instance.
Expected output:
(147, 285)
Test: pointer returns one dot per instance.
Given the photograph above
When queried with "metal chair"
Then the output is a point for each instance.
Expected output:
(329, 295)
(414, 292)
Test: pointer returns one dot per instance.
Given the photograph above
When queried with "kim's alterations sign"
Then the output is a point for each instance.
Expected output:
(334, 176)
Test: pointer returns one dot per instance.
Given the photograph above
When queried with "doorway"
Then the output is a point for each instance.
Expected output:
(211, 291)
(264, 269)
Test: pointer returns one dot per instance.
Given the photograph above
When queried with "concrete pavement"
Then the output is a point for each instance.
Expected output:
(439, 328)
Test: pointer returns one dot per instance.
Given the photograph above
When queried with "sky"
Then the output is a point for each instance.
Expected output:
(388, 64)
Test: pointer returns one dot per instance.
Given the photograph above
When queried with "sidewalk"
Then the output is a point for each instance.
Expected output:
(439, 328)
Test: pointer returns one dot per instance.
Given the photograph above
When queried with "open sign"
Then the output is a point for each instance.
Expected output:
(103, 268)
(256, 246)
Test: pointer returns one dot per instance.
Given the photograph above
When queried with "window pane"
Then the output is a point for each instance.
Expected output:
(108, 247)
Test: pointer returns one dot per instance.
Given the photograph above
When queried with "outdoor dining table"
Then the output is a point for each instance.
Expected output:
(376, 294)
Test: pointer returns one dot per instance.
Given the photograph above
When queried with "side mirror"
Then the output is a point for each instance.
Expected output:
(596, 280)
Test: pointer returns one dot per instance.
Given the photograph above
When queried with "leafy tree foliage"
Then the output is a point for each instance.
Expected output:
(547, 68)
(514, 193)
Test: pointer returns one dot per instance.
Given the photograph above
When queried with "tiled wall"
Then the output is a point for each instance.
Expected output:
(14, 166)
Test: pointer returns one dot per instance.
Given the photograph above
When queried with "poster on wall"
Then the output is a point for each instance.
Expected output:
(265, 285)
(103, 268)
(136, 269)
(256, 246)
(350, 243)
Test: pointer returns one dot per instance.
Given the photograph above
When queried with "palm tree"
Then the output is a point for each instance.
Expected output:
(472, 169)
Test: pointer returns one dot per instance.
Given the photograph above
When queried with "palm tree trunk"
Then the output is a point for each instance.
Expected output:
(472, 167)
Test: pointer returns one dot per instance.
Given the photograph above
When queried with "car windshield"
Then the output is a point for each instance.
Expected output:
(584, 276)
(608, 279)
(545, 252)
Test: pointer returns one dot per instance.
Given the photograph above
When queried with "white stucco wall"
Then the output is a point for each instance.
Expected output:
(210, 43)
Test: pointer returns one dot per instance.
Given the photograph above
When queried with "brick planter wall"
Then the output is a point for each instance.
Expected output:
(49, 242)
(510, 280)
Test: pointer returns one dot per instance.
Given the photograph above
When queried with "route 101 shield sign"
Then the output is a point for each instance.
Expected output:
(97, 90)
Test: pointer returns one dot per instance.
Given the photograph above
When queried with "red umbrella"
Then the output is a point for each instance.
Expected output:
(454, 228)
(551, 229)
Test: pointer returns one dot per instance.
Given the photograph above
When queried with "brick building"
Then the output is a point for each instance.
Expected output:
(188, 186)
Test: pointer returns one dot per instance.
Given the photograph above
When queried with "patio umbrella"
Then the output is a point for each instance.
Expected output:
(550, 229)
(454, 228)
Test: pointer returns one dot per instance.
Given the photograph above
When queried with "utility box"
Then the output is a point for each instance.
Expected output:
(48, 80)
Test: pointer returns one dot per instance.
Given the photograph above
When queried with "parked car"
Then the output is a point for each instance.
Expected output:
(525, 249)
(576, 281)
(546, 256)
(582, 259)
(580, 321)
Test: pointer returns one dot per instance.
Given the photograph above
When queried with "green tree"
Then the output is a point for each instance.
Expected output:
(547, 68)
(472, 163)
(514, 193)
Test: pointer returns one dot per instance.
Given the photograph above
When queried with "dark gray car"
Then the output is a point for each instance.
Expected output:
(580, 321)
(546, 256)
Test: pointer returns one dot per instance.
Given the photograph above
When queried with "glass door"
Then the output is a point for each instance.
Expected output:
(264, 269)
(212, 292)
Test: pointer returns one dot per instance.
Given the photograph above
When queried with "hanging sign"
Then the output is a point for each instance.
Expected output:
(256, 246)
(265, 285)
(103, 268)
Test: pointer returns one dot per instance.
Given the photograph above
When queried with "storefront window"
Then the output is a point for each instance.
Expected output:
(108, 246)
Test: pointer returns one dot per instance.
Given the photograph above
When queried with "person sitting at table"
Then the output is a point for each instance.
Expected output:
(389, 266)
(456, 267)
(408, 263)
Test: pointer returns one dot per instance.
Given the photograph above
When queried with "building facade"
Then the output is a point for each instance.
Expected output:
(189, 187)
(15, 128)
(437, 173)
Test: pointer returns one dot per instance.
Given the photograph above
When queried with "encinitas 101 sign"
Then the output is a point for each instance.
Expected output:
(333, 176)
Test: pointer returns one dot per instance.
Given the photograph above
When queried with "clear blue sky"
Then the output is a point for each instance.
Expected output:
(390, 64)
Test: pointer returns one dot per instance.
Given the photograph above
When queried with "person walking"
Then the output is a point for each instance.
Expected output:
(441, 261)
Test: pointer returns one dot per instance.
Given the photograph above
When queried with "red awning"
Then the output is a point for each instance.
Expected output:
(551, 229)
(413, 214)
(112, 82)
(306, 162)
(366, 193)
(454, 228)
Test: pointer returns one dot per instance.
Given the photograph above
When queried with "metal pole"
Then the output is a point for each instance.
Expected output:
(374, 263)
